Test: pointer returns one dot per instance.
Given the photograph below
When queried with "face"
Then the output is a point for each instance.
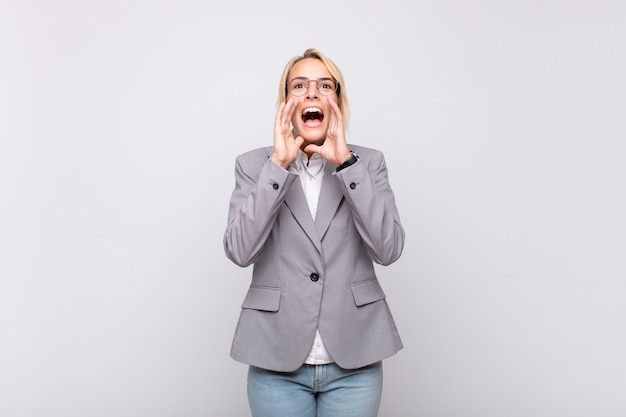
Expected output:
(313, 113)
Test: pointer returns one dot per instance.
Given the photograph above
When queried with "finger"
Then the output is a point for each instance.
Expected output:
(287, 113)
(298, 141)
(280, 110)
(279, 116)
(335, 108)
(312, 148)
(336, 119)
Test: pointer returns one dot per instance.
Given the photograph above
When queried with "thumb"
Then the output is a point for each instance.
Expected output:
(311, 147)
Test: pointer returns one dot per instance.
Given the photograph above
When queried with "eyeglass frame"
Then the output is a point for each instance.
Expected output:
(317, 86)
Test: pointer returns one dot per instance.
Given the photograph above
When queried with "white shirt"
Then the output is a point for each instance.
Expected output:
(311, 175)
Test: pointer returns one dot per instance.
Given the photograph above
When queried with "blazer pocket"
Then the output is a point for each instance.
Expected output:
(262, 298)
(366, 292)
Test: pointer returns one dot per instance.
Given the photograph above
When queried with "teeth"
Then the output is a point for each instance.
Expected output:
(312, 110)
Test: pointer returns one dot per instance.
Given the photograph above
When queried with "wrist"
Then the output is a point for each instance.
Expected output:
(279, 162)
(352, 159)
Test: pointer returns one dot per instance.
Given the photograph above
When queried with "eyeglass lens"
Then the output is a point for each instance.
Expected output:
(299, 86)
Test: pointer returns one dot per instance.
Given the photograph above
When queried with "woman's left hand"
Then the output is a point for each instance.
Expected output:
(335, 148)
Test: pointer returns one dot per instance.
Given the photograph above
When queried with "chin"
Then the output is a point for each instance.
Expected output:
(318, 136)
(314, 140)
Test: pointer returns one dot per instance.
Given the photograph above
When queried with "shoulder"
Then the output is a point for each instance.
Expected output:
(366, 153)
(255, 157)
(254, 154)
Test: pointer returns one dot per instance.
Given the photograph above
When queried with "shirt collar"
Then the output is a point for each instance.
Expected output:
(314, 166)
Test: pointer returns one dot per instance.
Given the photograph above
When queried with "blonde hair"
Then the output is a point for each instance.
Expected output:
(342, 98)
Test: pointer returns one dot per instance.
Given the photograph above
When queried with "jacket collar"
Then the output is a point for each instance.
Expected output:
(329, 199)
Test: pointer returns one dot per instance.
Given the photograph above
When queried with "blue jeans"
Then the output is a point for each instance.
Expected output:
(316, 391)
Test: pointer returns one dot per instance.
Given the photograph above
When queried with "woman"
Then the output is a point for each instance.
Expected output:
(313, 214)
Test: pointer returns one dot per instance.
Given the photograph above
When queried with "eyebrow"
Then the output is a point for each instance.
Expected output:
(305, 78)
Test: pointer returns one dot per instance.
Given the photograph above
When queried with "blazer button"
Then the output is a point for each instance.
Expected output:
(352, 185)
(314, 277)
(275, 186)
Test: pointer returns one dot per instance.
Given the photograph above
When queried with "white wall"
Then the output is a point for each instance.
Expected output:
(504, 128)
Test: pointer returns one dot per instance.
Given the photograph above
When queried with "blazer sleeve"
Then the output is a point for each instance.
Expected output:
(260, 189)
(369, 194)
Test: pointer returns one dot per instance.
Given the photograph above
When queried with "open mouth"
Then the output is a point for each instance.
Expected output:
(312, 115)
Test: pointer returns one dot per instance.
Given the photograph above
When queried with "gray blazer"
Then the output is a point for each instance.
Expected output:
(309, 275)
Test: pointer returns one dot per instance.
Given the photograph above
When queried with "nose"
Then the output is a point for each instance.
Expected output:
(311, 91)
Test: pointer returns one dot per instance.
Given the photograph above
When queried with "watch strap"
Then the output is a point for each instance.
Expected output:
(350, 161)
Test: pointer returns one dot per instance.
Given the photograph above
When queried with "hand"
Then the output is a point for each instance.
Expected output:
(335, 148)
(285, 146)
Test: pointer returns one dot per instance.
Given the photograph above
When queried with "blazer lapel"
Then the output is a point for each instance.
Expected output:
(331, 195)
(296, 201)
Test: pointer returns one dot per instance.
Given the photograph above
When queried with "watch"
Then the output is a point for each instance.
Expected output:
(351, 160)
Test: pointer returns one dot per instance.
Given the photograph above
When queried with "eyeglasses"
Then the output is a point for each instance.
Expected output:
(300, 85)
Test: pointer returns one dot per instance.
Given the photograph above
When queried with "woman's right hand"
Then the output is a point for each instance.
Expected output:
(285, 145)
